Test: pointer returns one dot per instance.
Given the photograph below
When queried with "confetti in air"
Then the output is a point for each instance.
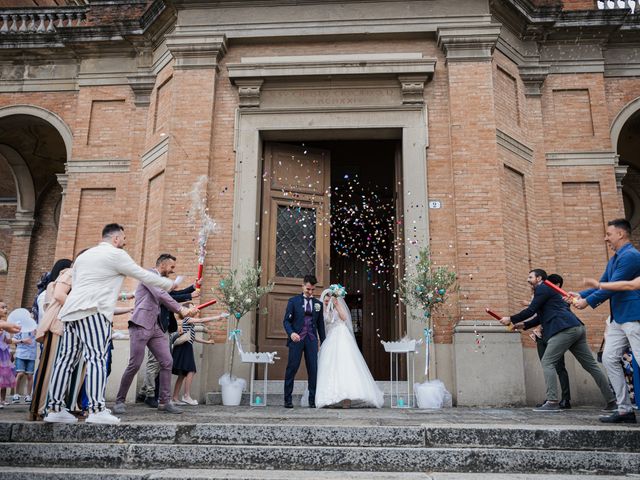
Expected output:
(199, 215)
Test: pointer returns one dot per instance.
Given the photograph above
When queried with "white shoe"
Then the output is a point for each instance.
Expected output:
(27, 399)
(15, 399)
(63, 416)
(103, 417)
(189, 400)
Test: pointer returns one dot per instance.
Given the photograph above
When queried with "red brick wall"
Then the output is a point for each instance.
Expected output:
(43, 243)
(516, 237)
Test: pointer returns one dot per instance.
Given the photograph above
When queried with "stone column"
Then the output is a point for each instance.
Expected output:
(188, 157)
(21, 227)
(497, 373)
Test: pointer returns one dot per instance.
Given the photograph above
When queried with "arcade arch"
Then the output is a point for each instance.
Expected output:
(35, 145)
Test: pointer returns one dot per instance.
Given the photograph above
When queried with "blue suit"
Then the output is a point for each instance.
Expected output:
(294, 322)
(625, 306)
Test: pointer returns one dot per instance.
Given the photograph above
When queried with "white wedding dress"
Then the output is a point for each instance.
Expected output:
(342, 372)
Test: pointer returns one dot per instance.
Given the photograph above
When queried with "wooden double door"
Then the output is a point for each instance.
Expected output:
(295, 235)
(295, 240)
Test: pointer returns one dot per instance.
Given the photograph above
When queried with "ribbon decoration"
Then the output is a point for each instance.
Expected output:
(235, 334)
(427, 340)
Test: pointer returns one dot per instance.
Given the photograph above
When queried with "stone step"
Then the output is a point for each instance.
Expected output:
(16, 473)
(380, 459)
(601, 438)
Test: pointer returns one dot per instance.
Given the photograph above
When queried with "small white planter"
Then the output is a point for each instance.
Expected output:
(232, 394)
(232, 389)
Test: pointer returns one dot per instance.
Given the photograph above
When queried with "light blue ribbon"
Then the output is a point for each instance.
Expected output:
(427, 340)
(237, 333)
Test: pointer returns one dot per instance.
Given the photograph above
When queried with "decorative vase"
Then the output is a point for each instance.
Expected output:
(232, 393)
(231, 388)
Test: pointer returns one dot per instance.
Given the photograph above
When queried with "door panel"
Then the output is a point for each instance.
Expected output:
(294, 236)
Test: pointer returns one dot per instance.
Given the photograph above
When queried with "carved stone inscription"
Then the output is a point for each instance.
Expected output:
(337, 97)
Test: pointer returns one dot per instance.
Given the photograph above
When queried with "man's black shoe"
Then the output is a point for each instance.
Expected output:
(615, 417)
(152, 402)
(288, 405)
(564, 404)
(312, 405)
(140, 398)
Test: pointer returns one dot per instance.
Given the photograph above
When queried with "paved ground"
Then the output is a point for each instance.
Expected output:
(576, 417)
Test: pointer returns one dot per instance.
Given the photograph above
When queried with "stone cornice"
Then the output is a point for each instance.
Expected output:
(468, 44)
(155, 152)
(581, 159)
(518, 148)
(98, 166)
(196, 51)
(332, 65)
(411, 70)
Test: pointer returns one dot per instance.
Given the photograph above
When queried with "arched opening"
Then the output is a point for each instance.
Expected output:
(625, 135)
(34, 147)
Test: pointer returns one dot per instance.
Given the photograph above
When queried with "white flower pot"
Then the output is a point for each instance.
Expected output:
(232, 393)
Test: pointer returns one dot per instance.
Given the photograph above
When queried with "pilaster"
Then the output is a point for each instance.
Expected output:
(22, 228)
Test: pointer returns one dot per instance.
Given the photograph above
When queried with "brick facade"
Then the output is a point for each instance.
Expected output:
(506, 207)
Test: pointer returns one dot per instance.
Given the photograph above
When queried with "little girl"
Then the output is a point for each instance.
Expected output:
(184, 364)
(7, 376)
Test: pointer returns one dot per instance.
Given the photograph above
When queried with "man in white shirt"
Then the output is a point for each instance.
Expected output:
(87, 315)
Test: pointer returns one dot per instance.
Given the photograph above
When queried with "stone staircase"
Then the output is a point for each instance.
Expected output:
(333, 445)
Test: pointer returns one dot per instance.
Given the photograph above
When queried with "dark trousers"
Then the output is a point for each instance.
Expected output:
(308, 347)
(561, 370)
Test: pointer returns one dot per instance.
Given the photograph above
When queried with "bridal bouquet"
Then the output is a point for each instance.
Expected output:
(338, 290)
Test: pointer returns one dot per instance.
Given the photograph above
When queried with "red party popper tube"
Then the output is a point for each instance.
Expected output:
(206, 304)
(498, 317)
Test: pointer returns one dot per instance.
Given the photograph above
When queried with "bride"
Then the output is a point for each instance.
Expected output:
(343, 375)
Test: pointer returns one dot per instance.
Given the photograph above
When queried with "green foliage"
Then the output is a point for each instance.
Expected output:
(240, 293)
(428, 288)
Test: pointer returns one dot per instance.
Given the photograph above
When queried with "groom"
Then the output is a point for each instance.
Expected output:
(303, 322)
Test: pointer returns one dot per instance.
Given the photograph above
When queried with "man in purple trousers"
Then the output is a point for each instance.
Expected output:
(145, 331)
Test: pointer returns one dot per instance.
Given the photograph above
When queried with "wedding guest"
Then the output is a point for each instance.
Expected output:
(561, 369)
(623, 331)
(25, 362)
(87, 314)
(563, 332)
(149, 392)
(48, 333)
(7, 377)
(184, 363)
(145, 331)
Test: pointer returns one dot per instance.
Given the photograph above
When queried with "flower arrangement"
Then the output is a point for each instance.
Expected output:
(428, 288)
(337, 290)
(240, 293)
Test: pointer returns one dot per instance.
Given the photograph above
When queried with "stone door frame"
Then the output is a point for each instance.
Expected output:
(252, 125)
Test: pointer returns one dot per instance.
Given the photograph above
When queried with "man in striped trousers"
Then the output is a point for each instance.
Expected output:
(87, 315)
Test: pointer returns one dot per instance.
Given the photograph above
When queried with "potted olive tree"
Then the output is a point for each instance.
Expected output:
(239, 293)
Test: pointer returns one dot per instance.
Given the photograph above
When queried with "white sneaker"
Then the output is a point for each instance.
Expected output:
(189, 400)
(15, 398)
(103, 417)
(62, 416)
(27, 399)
